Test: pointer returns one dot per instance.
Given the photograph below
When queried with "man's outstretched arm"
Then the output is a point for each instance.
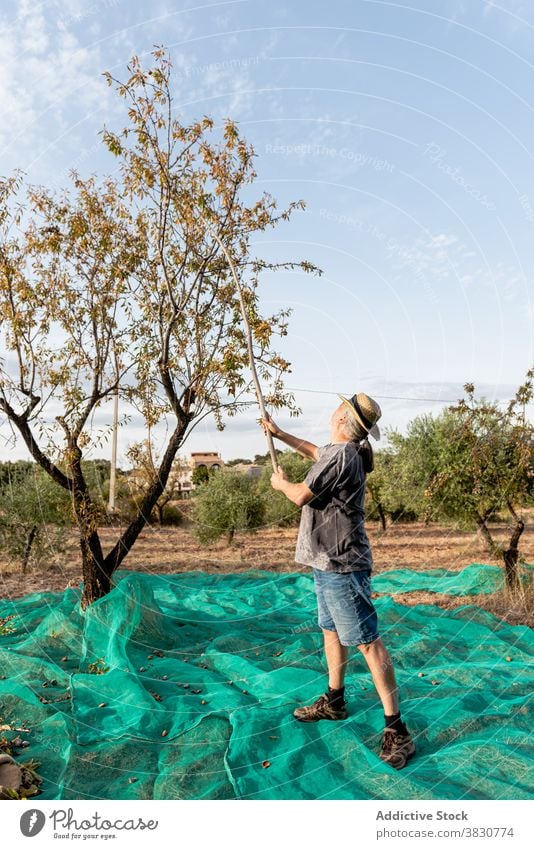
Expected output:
(302, 446)
(298, 493)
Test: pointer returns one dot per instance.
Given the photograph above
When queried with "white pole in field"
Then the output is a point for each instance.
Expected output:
(113, 468)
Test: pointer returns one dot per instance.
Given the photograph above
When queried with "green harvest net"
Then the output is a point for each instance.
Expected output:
(474, 579)
(251, 644)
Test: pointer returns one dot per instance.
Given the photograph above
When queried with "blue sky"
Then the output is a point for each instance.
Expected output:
(408, 129)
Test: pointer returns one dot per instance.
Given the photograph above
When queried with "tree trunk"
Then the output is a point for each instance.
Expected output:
(511, 556)
(382, 515)
(96, 577)
(97, 569)
(159, 511)
(230, 536)
(96, 581)
(484, 534)
(28, 548)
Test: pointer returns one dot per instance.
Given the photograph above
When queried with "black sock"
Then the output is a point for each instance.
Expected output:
(394, 721)
(336, 697)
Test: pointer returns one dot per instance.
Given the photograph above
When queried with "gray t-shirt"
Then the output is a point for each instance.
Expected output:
(332, 533)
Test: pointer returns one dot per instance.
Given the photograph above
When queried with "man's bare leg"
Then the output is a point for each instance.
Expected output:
(333, 706)
(381, 668)
(336, 658)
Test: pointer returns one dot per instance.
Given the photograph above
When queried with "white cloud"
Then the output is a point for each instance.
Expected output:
(443, 257)
(47, 77)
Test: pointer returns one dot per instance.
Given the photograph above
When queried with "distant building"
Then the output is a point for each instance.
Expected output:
(185, 484)
(206, 459)
(198, 460)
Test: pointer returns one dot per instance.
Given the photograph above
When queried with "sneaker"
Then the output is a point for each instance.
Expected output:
(396, 748)
(321, 709)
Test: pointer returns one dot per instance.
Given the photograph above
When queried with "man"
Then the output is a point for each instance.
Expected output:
(332, 540)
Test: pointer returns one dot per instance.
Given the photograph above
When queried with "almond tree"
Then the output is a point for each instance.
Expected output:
(122, 285)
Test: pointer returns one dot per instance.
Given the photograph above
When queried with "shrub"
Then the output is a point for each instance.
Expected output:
(172, 515)
(279, 510)
(226, 503)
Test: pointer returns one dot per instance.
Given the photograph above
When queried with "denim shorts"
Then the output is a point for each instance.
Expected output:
(344, 605)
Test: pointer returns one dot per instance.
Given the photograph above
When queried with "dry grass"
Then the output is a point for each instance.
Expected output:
(517, 608)
(410, 545)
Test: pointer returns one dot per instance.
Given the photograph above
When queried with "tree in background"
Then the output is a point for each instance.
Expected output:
(96, 473)
(408, 466)
(264, 459)
(485, 467)
(34, 514)
(200, 475)
(237, 461)
(376, 487)
(278, 510)
(15, 470)
(122, 287)
(145, 464)
(227, 503)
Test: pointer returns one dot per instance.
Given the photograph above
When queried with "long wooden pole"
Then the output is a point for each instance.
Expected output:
(248, 335)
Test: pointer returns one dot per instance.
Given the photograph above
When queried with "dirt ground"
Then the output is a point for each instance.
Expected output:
(175, 549)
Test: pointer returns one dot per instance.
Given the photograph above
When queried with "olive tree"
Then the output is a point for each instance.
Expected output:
(408, 466)
(200, 475)
(34, 515)
(228, 502)
(121, 285)
(485, 468)
(278, 510)
(379, 484)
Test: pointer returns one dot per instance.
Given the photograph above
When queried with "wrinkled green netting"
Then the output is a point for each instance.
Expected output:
(473, 579)
(257, 630)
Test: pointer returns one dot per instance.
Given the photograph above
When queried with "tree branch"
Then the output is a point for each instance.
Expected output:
(34, 449)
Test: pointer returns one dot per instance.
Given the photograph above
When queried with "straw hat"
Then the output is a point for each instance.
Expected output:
(365, 410)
